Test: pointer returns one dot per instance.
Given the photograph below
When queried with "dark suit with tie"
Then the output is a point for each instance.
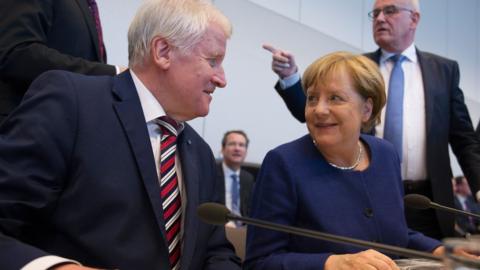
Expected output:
(78, 180)
(36, 36)
(448, 121)
(247, 182)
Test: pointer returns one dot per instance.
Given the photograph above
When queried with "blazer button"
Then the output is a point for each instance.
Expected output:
(368, 212)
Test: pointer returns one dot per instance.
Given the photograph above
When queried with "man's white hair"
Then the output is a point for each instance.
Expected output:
(181, 23)
(415, 5)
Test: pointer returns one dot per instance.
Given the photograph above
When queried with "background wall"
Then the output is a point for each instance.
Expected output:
(309, 29)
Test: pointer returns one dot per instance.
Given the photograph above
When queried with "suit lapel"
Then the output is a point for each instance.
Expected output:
(221, 178)
(243, 193)
(130, 114)
(191, 183)
(375, 57)
(428, 86)
(91, 26)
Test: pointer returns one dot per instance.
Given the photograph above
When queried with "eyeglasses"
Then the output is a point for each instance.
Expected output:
(233, 144)
(387, 11)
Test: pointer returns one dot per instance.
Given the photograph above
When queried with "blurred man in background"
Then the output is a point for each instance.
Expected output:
(465, 201)
(238, 182)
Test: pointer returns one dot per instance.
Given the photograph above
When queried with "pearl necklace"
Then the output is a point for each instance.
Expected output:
(347, 168)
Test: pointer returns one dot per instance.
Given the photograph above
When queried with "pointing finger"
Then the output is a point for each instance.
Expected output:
(270, 48)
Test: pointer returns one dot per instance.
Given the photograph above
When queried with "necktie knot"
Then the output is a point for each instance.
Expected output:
(397, 58)
(168, 126)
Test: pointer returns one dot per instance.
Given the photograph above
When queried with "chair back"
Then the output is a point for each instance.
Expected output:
(238, 237)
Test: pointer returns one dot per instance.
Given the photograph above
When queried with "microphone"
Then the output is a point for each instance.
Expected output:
(418, 201)
(218, 214)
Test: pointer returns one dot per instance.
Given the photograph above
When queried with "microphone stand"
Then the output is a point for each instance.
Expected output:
(453, 210)
(334, 238)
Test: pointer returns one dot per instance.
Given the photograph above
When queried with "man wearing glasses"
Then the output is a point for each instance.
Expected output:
(432, 115)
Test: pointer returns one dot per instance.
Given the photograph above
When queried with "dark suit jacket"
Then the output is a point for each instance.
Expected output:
(78, 180)
(36, 36)
(478, 129)
(448, 121)
(246, 185)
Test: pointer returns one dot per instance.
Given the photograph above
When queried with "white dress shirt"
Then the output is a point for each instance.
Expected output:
(414, 160)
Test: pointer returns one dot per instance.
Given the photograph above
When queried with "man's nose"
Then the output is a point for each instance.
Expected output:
(219, 78)
(380, 17)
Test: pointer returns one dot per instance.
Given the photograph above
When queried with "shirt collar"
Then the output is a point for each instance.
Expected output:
(229, 171)
(410, 53)
(150, 105)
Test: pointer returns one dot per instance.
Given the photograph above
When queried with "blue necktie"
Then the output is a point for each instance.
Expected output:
(235, 194)
(394, 115)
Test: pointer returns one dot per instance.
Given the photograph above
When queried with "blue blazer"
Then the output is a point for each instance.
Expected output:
(297, 187)
(448, 122)
(78, 180)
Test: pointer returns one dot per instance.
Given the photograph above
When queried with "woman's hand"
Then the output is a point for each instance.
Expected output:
(369, 259)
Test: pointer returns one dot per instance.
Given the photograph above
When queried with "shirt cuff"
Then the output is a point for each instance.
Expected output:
(289, 81)
(46, 262)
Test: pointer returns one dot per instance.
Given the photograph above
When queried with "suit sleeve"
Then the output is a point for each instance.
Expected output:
(24, 53)
(295, 100)
(36, 144)
(465, 143)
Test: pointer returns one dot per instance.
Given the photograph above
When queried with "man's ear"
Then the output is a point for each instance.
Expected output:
(415, 19)
(161, 52)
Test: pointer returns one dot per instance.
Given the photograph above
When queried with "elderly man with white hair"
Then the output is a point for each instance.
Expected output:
(103, 172)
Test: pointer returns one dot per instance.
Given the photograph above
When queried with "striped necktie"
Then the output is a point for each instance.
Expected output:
(169, 190)
(393, 131)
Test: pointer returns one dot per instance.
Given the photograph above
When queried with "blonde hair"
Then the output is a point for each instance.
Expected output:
(181, 23)
(364, 73)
